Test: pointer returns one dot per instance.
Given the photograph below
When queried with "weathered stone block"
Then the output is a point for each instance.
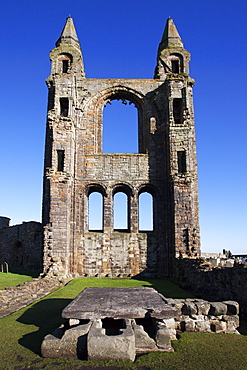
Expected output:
(189, 308)
(143, 343)
(232, 307)
(171, 326)
(202, 326)
(178, 305)
(233, 318)
(73, 322)
(162, 338)
(203, 307)
(51, 343)
(68, 343)
(121, 303)
(217, 308)
(188, 325)
(116, 347)
(218, 326)
(231, 327)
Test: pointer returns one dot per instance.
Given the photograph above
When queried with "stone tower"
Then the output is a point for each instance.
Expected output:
(75, 166)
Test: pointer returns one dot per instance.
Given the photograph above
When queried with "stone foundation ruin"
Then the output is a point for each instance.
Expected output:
(120, 323)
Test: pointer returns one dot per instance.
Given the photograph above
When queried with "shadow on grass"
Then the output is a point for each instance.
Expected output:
(46, 315)
(19, 271)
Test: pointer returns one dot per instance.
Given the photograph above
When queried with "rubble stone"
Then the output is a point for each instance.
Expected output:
(218, 308)
(202, 307)
(218, 326)
(232, 307)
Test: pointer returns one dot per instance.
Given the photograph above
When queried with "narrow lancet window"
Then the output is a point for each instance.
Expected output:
(60, 160)
(145, 212)
(175, 66)
(65, 66)
(182, 161)
(178, 110)
(64, 107)
(121, 212)
(95, 211)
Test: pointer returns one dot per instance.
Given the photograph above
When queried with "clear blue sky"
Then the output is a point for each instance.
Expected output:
(120, 39)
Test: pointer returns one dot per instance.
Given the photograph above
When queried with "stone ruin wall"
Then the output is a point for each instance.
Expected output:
(87, 339)
(21, 246)
(162, 137)
(219, 283)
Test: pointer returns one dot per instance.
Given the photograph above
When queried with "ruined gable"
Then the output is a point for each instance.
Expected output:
(75, 166)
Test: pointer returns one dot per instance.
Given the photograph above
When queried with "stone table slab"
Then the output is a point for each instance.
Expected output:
(119, 303)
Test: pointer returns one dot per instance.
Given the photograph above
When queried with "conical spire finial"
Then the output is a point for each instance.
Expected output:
(171, 37)
(68, 35)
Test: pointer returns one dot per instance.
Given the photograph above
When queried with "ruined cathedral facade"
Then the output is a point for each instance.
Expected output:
(75, 166)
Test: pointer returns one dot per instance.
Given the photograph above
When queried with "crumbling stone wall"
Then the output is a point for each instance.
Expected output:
(197, 315)
(14, 298)
(75, 166)
(221, 284)
(22, 245)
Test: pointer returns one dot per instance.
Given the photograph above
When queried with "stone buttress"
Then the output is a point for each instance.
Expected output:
(75, 166)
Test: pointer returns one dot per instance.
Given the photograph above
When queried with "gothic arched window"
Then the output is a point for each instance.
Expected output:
(64, 62)
(95, 211)
(120, 127)
(145, 211)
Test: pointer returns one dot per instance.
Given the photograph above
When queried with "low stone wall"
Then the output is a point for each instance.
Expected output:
(196, 315)
(126, 338)
(14, 298)
(213, 284)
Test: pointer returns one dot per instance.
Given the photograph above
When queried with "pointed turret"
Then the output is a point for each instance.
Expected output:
(171, 37)
(172, 57)
(68, 35)
(67, 56)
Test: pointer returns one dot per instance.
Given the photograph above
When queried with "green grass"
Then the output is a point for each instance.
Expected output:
(22, 332)
(15, 277)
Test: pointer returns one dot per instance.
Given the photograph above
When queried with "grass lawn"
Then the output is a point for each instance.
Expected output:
(21, 334)
(16, 277)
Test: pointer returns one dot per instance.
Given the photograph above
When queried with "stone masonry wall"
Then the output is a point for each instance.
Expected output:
(22, 245)
(197, 315)
(165, 135)
(228, 283)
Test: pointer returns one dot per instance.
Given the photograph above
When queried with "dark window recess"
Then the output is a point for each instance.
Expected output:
(64, 107)
(65, 66)
(177, 110)
(186, 237)
(51, 97)
(182, 161)
(175, 66)
(60, 160)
